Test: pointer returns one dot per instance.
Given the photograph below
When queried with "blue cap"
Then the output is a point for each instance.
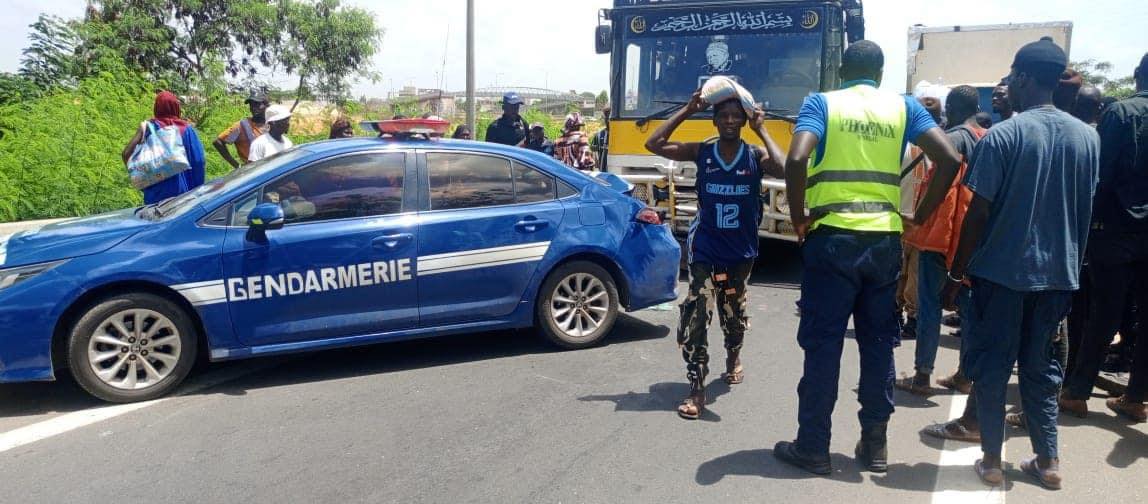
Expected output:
(512, 98)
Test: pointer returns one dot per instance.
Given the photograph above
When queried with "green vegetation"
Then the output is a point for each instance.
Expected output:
(85, 85)
(60, 154)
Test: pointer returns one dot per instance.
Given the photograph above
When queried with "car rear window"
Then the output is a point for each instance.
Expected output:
(468, 181)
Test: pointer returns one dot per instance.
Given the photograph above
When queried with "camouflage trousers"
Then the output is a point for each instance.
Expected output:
(710, 286)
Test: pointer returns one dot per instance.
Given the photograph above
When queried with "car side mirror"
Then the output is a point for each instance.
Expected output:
(603, 39)
(265, 216)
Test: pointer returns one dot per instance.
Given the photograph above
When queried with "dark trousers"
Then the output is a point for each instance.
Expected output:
(1011, 327)
(707, 288)
(1077, 315)
(846, 274)
(1118, 268)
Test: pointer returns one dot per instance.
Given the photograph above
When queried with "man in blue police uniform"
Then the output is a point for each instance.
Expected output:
(723, 236)
(511, 128)
(851, 246)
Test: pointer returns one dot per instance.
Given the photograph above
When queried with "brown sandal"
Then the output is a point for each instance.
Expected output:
(691, 409)
(734, 376)
(910, 385)
(957, 382)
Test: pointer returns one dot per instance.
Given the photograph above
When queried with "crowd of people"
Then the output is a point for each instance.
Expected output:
(264, 133)
(1033, 230)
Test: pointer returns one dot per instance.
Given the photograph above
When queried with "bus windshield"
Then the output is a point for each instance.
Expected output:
(661, 68)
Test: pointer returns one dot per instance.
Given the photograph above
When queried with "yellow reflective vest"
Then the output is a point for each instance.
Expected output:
(856, 184)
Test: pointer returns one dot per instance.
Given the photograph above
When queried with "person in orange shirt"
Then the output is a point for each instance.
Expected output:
(936, 240)
(245, 131)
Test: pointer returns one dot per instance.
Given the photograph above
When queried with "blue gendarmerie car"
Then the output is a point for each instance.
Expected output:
(330, 244)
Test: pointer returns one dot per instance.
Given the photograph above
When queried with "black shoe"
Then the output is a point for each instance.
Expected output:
(871, 449)
(909, 330)
(952, 320)
(787, 452)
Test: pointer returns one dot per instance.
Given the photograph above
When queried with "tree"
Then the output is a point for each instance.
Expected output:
(1096, 73)
(50, 59)
(325, 44)
(182, 38)
(15, 88)
(602, 100)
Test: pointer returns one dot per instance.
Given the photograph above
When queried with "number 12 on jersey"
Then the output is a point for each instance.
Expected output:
(727, 216)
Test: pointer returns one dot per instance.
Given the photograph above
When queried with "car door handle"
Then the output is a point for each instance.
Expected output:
(531, 225)
(392, 241)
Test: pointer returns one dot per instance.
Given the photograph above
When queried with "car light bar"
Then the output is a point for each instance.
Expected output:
(430, 127)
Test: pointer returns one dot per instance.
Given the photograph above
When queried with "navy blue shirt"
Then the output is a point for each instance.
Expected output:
(1039, 171)
(814, 118)
(724, 232)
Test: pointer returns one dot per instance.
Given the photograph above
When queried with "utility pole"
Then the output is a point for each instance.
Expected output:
(470, 104)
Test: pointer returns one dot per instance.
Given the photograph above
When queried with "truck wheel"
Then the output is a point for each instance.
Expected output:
(132, 347)
(577, 305)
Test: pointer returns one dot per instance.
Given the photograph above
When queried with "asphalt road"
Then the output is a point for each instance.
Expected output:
(505, 418)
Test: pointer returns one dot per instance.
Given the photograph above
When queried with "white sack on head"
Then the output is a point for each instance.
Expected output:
(721, 88)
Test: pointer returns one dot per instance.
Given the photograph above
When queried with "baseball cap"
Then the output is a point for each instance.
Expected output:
(536, 126)
(277, 113)
(512, 98)
(256, 96)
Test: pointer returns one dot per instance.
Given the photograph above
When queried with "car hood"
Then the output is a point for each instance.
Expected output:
(69, 238)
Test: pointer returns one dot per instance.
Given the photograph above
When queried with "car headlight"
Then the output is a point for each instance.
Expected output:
(13, 276)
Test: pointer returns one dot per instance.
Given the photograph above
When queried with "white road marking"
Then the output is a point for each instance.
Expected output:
(956, 481)
(75, 420)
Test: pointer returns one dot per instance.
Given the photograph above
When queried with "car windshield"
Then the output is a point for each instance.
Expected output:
(236, 178)
(778, 60)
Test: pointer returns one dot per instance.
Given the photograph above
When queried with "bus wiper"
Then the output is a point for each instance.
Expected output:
(661, 114)
(773, 114)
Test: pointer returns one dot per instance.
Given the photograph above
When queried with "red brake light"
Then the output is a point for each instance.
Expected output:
(648, 216)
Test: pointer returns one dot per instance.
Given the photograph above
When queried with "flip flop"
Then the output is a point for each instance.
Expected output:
(1049, 480)
(954, 430)
(992, 477)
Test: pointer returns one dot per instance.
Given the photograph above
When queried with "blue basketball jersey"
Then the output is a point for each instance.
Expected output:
(724, 231)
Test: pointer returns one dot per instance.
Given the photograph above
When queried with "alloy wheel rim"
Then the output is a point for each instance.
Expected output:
(134, 349)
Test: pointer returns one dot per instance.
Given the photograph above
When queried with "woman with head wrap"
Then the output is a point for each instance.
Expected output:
(167, 113)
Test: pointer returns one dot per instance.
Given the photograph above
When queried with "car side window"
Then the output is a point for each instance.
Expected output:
(566, 190)
(468, 181)
(361, 185)
(532, 186)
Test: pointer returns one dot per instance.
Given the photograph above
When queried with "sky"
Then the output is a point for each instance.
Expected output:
(549, 43)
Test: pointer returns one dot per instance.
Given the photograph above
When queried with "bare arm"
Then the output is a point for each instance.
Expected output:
(771, 158)
(948, 162)
(796, 173)
(131, 146)
(659, 143)
(221, 146)
(974, 227)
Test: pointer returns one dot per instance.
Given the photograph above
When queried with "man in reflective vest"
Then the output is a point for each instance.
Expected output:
(851, 246)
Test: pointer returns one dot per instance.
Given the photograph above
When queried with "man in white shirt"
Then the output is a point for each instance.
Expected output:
(275, 141)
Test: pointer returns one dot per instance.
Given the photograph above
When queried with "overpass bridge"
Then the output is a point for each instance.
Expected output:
(546, 100)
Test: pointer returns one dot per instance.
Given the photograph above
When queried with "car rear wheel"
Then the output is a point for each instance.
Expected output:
(132, 347)
(578, 305)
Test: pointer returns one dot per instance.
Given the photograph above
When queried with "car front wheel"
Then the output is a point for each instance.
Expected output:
(578, 305)
(132, 347)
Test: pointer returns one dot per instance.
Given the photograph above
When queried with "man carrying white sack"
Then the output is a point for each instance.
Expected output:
(722, 241)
